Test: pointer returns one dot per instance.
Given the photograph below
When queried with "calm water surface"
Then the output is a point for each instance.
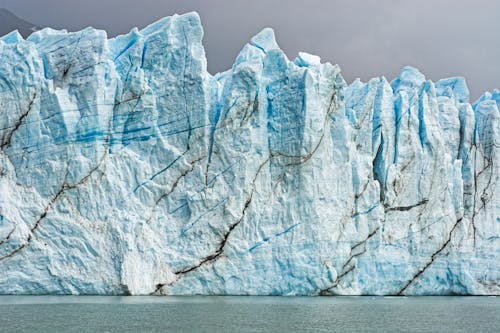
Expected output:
(248, 314)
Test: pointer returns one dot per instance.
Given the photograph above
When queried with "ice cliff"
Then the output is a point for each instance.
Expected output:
(126, 168)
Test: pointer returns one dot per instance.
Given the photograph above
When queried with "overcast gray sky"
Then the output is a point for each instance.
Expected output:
(366, 38)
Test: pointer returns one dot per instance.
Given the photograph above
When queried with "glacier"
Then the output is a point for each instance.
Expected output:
(127, 169)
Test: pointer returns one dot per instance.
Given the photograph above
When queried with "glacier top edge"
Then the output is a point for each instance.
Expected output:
(409, 77)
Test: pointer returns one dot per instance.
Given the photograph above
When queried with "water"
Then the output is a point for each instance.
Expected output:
(248, 314)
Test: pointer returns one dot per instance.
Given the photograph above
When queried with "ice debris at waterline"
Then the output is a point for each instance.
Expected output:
(126, 168)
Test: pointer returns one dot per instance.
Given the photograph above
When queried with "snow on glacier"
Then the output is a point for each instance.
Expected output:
(126, 168)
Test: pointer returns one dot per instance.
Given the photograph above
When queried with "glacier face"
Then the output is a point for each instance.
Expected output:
(126, 168)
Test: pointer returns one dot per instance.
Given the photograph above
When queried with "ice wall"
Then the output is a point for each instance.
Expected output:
(126, 168)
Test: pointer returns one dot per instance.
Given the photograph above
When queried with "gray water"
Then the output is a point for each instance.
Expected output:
(248, 314)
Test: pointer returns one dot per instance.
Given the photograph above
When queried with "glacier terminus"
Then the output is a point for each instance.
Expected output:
(126, 168)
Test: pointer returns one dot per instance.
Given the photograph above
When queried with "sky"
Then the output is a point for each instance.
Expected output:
(367, 38)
